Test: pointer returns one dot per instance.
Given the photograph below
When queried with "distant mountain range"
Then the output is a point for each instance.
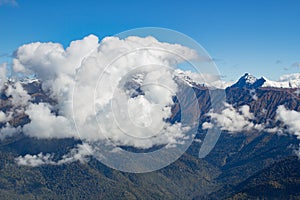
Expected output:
(245, 81)
(250, 164)
(249, 81)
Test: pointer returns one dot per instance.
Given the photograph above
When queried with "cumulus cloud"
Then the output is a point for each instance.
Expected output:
(285, 81)
(34, 160)
(3, 117)
(291, 79)
(18, 96)
(119, 90)
(45, 124)
(3, 75)
(233, 120)
(290, 118)
(80, 153)
(238, 120)
(17, 102)
(8, 131)
(18, 99)
(125, 86)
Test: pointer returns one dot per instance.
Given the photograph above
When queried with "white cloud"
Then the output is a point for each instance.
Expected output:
(292, 79)
(3, 117)
(18, 67)
(45, 124)
(285, 81)
(80, 153)
(81, 64)
(34, 160)
(290, 118)
(233, 120)
(238, 120)
(297, 92)
(19, 96)
(8, 131)
(123, 114)
(3, 75)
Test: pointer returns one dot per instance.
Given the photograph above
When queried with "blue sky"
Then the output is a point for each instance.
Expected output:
(260, 37)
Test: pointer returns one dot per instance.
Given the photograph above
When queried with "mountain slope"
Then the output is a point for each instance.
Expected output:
(238, 163)
(278, 181)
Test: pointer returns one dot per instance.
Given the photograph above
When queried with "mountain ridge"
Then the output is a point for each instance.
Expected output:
(233, 164)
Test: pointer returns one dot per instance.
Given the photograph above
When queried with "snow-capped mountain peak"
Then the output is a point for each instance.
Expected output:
(285, 81)
(249, 81)
(202, 80)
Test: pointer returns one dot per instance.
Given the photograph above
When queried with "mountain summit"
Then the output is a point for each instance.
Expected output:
(249, 81)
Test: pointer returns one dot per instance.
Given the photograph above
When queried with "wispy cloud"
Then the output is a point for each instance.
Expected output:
(296, 64)
(292, 66)
(9, 2)
(4, 55)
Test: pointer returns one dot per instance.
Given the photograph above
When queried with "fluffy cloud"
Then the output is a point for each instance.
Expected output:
(80, 153)
(18, 99)
(285, 81)
(3, 117)
(119, 90)
(291, 79)
(45, 124)
(3, 75)
(290, 118)
(8, 131)
(18, 96)
(233, 120)
(34, 160)
(241, 119)
(125, 86)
